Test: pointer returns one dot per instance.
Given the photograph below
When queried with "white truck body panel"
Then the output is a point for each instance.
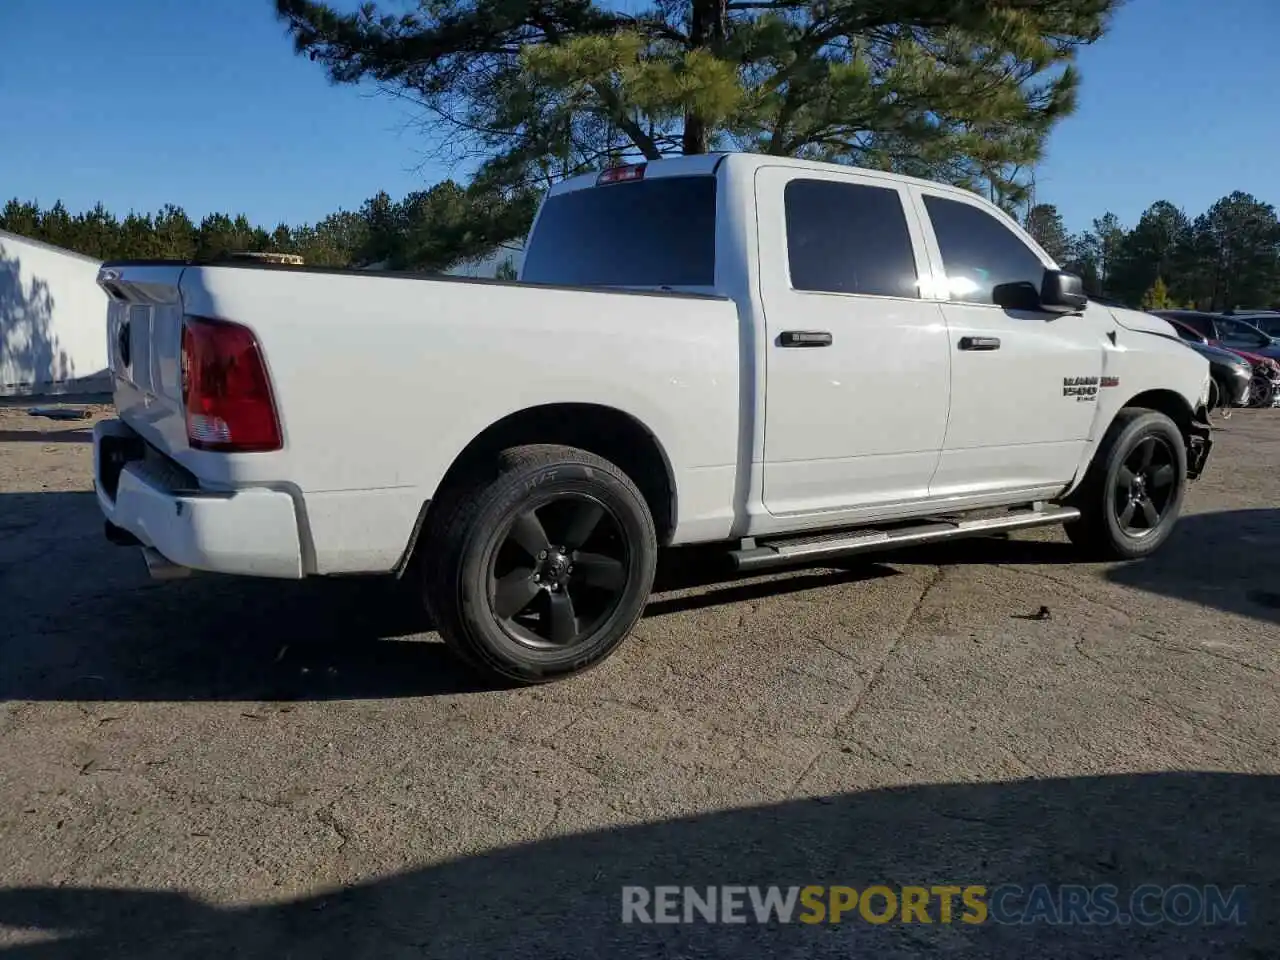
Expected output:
(377, 399)
(382, 381)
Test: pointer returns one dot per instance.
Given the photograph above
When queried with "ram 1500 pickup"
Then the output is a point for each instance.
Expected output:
(792, 359)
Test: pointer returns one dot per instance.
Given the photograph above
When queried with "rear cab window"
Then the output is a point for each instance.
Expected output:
(655, 232)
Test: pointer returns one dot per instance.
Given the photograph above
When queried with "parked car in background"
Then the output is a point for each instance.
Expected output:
(1268, 321)
(1231, 373)
(1222, 331)
(1264, 386)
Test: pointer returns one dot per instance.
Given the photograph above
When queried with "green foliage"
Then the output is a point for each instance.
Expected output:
(1227, 257)
(430, 230)
(1044, 223)
(1158, 247)
(1157, 298)
(964, 91)
(1234, 247)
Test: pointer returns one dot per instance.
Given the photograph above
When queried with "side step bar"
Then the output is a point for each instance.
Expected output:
(790, 550)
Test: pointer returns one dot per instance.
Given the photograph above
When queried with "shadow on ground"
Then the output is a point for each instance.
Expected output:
(1228, 561)
(562, 897)
(84, 623)
(51, 436)
(89, 625)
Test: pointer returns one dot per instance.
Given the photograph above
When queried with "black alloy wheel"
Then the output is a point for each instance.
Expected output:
(1146, 484)
(559, 572)
(1131, 495)
(537, 563)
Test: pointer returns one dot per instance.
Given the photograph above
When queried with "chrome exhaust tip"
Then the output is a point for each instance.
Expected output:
(161, 568)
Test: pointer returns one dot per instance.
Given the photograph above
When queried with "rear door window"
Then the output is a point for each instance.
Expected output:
(1200, 325)
(848, 238)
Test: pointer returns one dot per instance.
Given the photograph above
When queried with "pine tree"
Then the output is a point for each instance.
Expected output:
(1044, 223)
(961, 90)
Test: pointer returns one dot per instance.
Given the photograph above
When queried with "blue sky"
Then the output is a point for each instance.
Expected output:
(142, 102)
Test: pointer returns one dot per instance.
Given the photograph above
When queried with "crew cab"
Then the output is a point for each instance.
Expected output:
(792, 359)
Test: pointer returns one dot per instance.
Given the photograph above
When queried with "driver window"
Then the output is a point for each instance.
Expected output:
(978, 251)
(1237, 334)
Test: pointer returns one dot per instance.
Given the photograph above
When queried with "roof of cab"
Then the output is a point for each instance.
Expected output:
(704, 164)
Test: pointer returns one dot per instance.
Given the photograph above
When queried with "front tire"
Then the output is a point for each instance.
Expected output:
(1261, 392)
(1130, 500)
(539, 564)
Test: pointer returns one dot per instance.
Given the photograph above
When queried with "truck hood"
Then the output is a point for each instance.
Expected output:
(1143, 322)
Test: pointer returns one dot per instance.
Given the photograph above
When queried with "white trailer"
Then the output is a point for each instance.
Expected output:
(53, 320)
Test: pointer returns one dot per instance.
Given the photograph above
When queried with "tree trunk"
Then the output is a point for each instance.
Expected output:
(707, 25)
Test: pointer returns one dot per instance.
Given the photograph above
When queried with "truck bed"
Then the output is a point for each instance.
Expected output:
(381, 385)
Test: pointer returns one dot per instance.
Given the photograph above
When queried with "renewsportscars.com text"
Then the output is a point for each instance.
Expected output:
(1055, 904)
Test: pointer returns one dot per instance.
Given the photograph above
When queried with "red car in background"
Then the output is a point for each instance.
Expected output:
(1239, 338)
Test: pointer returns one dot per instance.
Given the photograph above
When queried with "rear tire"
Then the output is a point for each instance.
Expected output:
(538, 564)
(1132, 495)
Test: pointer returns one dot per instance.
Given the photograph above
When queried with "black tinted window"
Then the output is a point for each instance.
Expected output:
(1237, 333)
(978, 251)
(848, 238)
(644, 233)
(1200, 325)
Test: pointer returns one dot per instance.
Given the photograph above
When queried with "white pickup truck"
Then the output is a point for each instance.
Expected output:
(796, 360)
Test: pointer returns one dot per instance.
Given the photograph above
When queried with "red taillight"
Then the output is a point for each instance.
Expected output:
(621, 174)
(225, 389)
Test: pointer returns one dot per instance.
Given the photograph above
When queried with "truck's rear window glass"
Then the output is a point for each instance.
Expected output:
(659, 232)
(848, 238)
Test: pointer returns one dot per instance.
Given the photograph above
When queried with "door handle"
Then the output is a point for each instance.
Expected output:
(979, 343)
(804, 338)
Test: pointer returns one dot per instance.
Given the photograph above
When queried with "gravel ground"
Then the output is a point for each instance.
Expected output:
(214, 767)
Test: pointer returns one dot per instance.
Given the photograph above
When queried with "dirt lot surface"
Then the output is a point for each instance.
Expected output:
(222, 768)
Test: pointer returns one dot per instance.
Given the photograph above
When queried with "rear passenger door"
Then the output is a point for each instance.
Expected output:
(856, 362)
(1023, 382)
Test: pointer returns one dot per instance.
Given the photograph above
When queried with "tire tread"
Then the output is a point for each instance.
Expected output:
(450, 524)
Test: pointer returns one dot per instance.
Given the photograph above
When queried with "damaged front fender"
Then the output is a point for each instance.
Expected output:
(1199, 442)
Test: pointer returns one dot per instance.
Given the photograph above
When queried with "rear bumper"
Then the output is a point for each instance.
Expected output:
(251, 532)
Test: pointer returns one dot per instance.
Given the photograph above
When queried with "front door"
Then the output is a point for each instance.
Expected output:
(1023, 383)
(856, 362)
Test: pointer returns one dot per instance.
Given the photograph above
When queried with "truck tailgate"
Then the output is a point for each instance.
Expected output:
(144, 348)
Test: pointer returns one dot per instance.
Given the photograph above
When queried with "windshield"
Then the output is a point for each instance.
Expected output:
(645, 233)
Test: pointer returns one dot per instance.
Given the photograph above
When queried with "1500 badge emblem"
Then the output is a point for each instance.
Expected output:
(1084, 389)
